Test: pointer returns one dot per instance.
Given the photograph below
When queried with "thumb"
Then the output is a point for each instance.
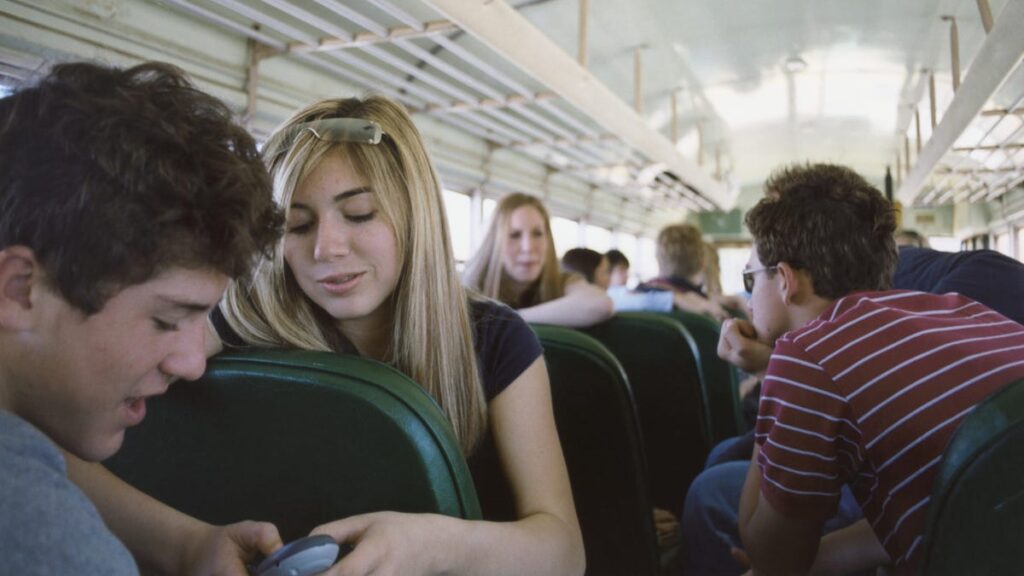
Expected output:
(739, 555)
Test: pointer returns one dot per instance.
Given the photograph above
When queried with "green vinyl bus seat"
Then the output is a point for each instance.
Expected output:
(597, 426)
(298, 439)
(659, 357)
(976, 513)
(719, 378)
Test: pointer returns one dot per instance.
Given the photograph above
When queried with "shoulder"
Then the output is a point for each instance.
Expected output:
(505, 345)
(48, 525)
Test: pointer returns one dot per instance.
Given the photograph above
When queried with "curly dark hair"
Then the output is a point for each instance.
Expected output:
(111, 176)
(829, 221)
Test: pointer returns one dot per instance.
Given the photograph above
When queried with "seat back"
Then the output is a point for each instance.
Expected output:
(598, 430)
(659, 357)
(976, 513)
(719, 379)
(298, 439)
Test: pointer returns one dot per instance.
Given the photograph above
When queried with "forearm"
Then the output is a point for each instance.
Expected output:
(574, 311)
(775, 544)
(156, 534)
(853, 549)
(539, 544)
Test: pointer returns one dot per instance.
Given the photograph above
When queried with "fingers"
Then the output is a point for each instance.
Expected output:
(261, 536)
(739, 555)
(346, 530)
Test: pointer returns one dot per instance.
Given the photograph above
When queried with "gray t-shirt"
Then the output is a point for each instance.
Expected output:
(47, 525)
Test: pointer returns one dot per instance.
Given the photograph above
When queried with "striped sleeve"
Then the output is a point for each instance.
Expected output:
(808, 444)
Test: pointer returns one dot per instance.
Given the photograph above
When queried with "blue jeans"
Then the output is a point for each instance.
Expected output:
(710, 520)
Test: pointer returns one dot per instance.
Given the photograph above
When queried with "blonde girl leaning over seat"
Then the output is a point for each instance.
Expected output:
(365, 266)
(516, 264)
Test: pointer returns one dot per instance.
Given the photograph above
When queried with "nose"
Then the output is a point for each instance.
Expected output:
(188, 358)
(530, 244)
(331, 240)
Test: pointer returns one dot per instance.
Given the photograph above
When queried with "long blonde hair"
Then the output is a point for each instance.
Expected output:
(431, 338)
(486, 273)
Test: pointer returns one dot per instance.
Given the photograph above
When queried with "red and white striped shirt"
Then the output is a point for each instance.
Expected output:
(869, 394)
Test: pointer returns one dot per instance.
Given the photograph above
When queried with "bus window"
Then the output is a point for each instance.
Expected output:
(566, 234)
(598, 238)
(457, 208)
(731, 261)
(1019, 232)
(944, 243)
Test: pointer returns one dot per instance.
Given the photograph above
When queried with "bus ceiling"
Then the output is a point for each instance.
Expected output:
(632, 114)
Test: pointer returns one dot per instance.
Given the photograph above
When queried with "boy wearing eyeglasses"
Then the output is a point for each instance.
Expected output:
(863, 386)
(127, 200)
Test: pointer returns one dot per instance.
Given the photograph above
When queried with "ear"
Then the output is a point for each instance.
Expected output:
(20, 275)
(794, 283)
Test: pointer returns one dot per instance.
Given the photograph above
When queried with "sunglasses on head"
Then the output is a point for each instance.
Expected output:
(329, 130)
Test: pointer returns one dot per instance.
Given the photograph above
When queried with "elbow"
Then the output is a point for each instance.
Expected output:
(603, 308)
(576, 557)
(772, 558)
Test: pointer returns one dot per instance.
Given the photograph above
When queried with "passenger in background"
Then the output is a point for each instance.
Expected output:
(994, 279)
(681, 261)
(516, 264)
(618, 268)
(593, 266)
(366, 267)
(734, 304)
(844, 401)
(129, 200)
(590, 264)
(907, 237)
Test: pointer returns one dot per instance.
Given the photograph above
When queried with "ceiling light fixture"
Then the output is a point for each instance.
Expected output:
(794, 65)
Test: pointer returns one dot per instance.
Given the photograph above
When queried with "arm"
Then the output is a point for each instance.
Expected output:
(776, 544)
(739, 346)
(852, 549)
(545, 539)
(163, 540)
(582, 305)
(624, 300)
(694, 302)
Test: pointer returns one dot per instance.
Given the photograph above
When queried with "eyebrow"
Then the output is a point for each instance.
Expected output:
(187, 304)
(339, 196)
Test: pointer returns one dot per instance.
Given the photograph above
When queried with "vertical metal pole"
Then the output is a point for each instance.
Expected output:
(954, 48)
(906, 153)
(986, 15)
(899, 170)
(252, 80)
(675, 118)
(700, 143)
(583, 33)
(638, 81)
(718, 162)
(931, 98)
(917, 127)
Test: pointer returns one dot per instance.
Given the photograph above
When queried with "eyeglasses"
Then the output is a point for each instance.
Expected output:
(748, 276)
(328, 129)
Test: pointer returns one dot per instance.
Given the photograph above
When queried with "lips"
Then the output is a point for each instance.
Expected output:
(340, 283)
(136, 407)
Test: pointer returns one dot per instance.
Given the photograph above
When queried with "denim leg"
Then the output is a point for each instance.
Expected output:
(710, 518)
(731, 449)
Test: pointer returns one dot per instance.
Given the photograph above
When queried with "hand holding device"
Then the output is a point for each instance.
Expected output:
(303, 557)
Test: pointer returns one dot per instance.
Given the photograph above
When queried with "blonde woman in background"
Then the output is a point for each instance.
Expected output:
(517, 265)
(366, 267)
